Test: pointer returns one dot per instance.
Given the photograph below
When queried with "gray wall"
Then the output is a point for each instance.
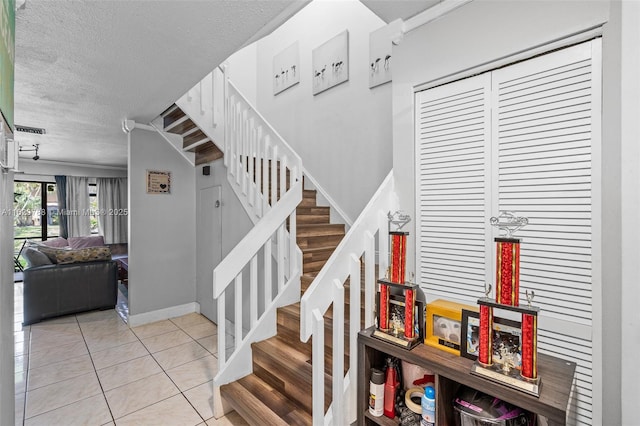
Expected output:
(484, 31)
(162, 235)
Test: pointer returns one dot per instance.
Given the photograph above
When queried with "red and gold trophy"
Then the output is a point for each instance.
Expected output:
(397, 316)
(522, 375)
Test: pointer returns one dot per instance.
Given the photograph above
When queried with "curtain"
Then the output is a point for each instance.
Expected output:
(78, 223)
(61, 186)
(112, 205)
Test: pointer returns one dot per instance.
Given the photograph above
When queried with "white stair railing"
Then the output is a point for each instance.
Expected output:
(263, 271)
(327, 290)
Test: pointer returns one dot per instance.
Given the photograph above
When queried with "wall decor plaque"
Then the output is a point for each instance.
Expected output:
(158, 182)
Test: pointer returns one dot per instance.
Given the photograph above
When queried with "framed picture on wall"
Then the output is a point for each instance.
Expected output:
(330, 63)
(158, 182)
(286, 68)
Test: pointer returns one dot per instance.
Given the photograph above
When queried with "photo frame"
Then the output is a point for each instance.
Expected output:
(444, 325)
(469, 334)
(330, 63)
(286, 68)
(158, 182)
(507, 342)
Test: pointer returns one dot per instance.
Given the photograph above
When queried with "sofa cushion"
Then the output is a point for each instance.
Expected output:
(88, 254)
(50, 252)
(56, 242)
(35, 257)
(84, 242)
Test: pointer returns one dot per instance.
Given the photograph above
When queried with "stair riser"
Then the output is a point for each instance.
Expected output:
(292, 379)
(318, 242)
(304, 219)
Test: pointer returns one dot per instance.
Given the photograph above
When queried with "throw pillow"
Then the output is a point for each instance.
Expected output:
(84, 242)
(88, 254)
(35, 258)
(50, 252)
(56, 242)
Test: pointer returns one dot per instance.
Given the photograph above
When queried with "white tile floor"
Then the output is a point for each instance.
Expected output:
(92, 369)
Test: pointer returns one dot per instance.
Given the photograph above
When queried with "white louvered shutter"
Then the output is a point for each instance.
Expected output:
(522, 139)
(453, 134)
(542, 128)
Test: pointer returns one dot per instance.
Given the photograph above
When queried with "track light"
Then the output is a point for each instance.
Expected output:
(35, 148)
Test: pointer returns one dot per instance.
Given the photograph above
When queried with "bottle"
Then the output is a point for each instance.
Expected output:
(390, 385)
(428, 407)
(376, 393)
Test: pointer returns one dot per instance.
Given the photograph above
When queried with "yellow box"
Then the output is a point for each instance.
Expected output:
(444, 324)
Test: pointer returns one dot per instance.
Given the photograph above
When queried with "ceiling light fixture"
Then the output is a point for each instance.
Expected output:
(35, 148)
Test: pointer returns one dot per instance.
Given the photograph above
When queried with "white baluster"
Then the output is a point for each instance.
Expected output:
(253, 293)
(222, 355)
(283, 175)
(383, 244)
(318, 368)
(355, 283)
(201, 97)
(370, 283)
(338, 352)
(265, 174)
(259, 162)
(238, 312)
(280, 265)
(268, 288)
(274, 175)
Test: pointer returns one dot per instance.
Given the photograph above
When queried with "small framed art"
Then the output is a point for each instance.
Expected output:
(469, 334)
(158, 182)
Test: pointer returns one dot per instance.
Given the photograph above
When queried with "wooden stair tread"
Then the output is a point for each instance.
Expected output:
(259, 404)
(183, 127)
(288, 370)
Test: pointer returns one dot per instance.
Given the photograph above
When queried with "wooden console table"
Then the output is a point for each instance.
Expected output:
(452, 371)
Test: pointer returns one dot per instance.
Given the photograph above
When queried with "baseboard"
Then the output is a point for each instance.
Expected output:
(163, 314)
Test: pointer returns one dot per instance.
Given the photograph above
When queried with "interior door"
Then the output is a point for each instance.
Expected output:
(209, 243)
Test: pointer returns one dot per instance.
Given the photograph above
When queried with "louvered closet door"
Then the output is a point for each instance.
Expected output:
(453, 129)
(543, 121)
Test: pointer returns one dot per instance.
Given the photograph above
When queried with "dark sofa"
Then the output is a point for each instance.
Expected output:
(62, 280)
(55, 290)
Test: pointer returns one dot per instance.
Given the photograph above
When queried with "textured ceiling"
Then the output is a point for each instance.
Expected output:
(81, 67)
(390, 10)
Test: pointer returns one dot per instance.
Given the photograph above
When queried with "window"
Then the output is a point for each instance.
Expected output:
(93, 208)
(521, 138)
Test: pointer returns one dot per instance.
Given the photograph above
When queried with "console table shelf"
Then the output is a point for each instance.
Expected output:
(452, 371)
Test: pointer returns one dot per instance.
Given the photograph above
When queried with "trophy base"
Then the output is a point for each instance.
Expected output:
(396, 340)
(513, 380)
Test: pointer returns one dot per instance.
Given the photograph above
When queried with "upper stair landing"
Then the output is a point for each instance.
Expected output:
(175, 121)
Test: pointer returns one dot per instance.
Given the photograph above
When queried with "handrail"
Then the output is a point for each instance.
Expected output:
(327, 290)
(242, 253)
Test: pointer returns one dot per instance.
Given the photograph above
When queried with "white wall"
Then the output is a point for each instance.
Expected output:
(481, 32)
(162, 235)
(241, 70)
(630, 161)
(7, 392)
(343, 134)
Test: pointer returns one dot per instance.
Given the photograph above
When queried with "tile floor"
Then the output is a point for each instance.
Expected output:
(92, 369)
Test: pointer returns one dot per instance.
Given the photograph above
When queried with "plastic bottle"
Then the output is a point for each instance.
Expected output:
(376, 393)
(428, 407)
(390, 385)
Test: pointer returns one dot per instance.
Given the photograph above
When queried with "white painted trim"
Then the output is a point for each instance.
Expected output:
(68, 163)
(516, 57)
(332, 203)
(153, 127)
(163, 314)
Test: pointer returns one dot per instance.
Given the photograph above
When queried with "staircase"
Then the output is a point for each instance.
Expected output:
(194, 140)
(278, 392)
(266, 372)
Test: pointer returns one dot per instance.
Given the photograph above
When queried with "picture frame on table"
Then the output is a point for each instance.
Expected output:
(470, 334)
